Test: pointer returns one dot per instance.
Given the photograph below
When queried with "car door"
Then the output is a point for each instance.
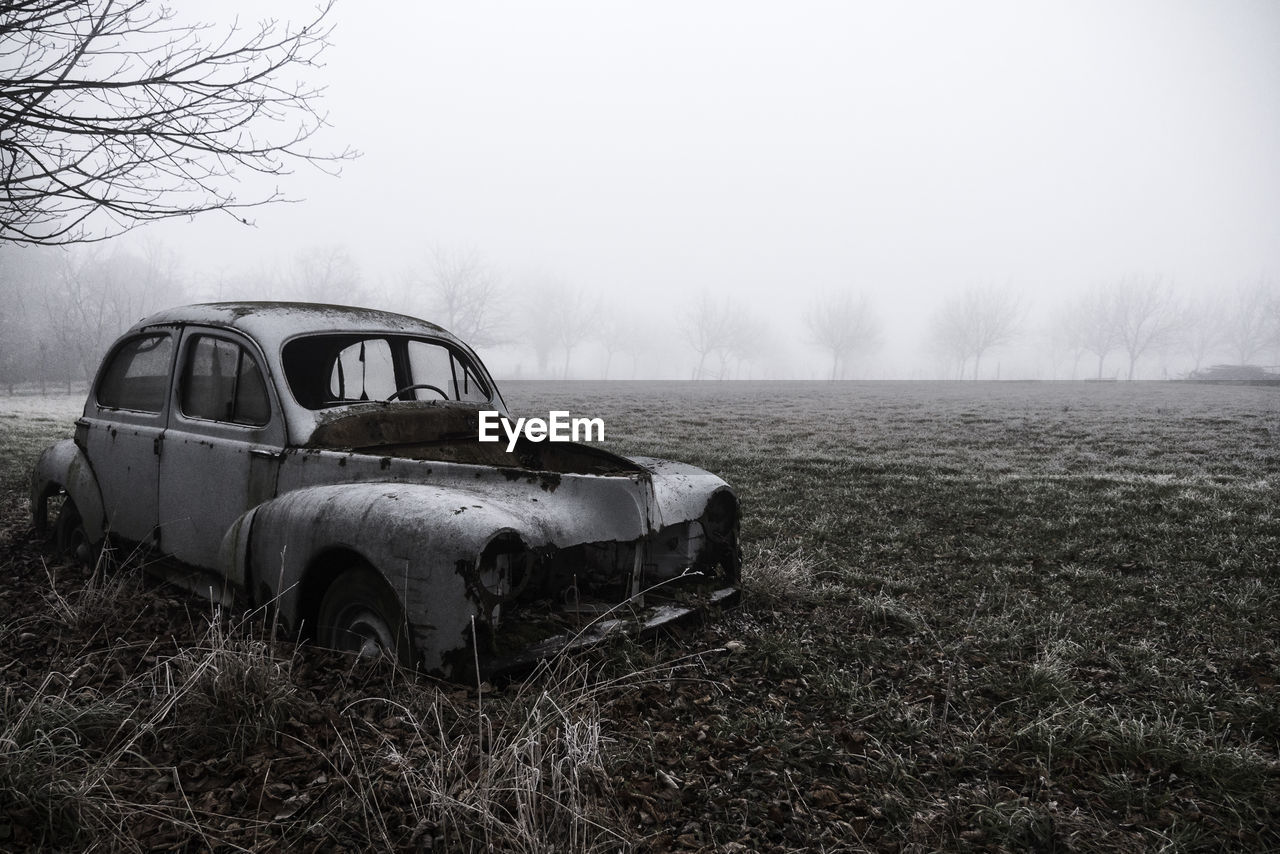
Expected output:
(222, 446)
(122, 430)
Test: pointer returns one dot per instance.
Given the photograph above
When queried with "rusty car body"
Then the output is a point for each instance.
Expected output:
(324, 460)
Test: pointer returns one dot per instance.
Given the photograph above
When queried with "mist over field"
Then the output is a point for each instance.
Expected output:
(748, 191)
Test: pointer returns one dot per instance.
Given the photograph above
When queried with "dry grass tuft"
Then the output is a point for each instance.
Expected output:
(227, 693)
(51, 770)
(779, 573)
(527, 772)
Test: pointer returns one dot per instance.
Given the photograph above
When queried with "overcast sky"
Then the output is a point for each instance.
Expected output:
(777, 150)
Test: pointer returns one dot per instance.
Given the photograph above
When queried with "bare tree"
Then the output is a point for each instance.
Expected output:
(465, 295)
(843, 326)
(1063, 333)
(116, 112)
(1202, 329)
(947, 338)
(1087, 323)
(1247, 324)
(727, 331)
(94, 296)
(610, 332)
(737, 341)
(326, 274)
(21, 275)
(712, 327)
(642, 340)
(575, 323)
(1273, 325)
(621, 331)
(559, 317)
(539, 329)
(750, 345)
(972, 323)
(1145, 315)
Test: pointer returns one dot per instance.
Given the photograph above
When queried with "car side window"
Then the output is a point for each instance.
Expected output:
(137, 376)
(222, 382)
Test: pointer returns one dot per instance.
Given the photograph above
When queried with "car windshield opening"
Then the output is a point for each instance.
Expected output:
(331, 370)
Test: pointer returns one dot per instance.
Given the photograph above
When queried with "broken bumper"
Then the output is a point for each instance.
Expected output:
(610, 625)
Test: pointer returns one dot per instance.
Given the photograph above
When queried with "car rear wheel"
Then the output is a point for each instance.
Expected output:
(361, 614)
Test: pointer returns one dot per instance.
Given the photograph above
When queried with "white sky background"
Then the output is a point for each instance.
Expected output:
(649, 151)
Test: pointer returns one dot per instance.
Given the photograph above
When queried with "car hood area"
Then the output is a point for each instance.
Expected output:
(447, 431)
(508, 539)
(553, 493)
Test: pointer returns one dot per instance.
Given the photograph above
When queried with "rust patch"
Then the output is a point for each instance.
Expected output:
(547, 480)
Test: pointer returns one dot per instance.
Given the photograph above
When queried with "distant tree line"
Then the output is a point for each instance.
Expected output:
(64, 306)
(1136, 316)
(1113, 326)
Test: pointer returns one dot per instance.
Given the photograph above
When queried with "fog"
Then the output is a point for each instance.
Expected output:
(770, 156)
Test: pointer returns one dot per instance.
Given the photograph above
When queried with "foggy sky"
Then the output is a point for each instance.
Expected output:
(774, 151)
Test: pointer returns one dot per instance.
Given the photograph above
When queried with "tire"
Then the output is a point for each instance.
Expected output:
(71, 538)
(360, 613)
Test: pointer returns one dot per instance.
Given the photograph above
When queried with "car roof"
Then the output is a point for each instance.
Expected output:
(272, 323)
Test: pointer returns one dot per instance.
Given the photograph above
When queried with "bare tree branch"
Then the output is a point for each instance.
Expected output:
(114, 113)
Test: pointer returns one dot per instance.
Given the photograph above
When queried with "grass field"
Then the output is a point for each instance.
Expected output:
(1015, 616)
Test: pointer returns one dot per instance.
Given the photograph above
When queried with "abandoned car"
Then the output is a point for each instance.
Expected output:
(325, 461)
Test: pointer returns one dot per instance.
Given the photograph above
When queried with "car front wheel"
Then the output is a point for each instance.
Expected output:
(71, 538)
(360, 613)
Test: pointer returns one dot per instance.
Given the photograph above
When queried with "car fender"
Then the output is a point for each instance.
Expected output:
(679, 491)
(415, 535)
(64, 466)
(234, 558)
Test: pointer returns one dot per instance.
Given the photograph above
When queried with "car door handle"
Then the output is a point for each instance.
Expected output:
(265, 454)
